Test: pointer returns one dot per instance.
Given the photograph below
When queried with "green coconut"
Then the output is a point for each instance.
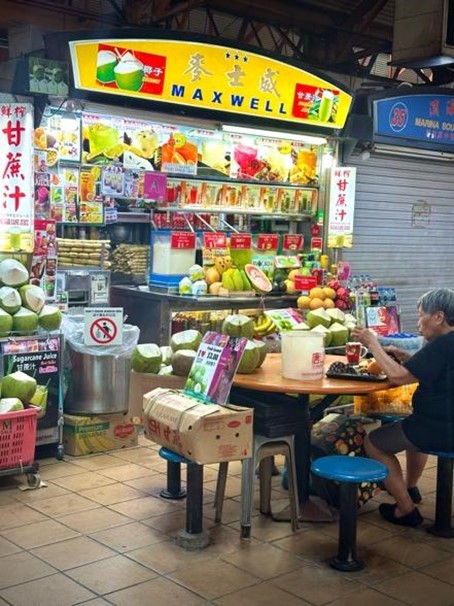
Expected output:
(25, 321)
(318, 317)
(33, 297)
(186, 339)
(19, 385)
(146, 358)
(325, 332)
(182, 362)
(336, 315)
(167, 354)
(238, 325)
(10, 299)
(13, 273)
(6, 323)
(250, 359)
(166, 371)
(50, 318)
(339, 334)
(263, 350)
(10, 405)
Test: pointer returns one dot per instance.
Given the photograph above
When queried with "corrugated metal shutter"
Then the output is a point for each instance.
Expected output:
(393, 242)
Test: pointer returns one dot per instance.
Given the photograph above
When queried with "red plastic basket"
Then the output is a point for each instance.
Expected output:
(18, 438)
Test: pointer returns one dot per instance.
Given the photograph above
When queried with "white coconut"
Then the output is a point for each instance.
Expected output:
(10, 299)
(13, 273)
(33, 297)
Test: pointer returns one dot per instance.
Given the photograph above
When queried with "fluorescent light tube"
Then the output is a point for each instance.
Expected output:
(244, 130)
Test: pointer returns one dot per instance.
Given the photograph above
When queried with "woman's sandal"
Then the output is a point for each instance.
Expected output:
(388, 513)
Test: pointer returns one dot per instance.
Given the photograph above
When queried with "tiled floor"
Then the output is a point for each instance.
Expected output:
(100, 534)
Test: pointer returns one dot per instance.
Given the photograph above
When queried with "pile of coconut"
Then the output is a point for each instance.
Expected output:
(22, 305)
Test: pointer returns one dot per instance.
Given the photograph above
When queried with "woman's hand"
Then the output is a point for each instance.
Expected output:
(365, 336)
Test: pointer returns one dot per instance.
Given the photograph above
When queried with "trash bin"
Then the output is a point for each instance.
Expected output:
(99, 380)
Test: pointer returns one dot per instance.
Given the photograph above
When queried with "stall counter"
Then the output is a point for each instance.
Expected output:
(151, 309)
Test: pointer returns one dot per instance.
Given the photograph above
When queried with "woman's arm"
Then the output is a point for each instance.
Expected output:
(396, 373)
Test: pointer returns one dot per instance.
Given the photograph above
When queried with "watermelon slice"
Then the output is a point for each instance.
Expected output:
(258, 279)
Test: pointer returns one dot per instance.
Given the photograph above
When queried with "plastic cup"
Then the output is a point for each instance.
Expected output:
(303, 355)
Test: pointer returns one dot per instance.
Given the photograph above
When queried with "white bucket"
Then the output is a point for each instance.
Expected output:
(303, 355)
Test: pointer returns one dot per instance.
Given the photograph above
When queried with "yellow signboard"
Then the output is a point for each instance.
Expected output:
(208, 76)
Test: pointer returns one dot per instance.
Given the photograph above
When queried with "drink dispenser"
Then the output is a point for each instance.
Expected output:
(172, 254)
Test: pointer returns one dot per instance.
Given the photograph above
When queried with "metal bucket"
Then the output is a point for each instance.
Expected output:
(99, 384)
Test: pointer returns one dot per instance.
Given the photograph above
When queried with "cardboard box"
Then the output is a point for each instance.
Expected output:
(86, 435)
(141, 383)
(204, 433)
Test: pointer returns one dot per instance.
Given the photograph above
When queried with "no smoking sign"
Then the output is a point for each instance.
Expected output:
(103, 326)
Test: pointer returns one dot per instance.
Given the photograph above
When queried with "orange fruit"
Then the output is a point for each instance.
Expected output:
(315, 303)
(329, 292)
(328, 303)
(317, 293)
(303, 302)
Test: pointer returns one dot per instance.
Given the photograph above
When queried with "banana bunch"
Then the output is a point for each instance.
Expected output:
(263, 326)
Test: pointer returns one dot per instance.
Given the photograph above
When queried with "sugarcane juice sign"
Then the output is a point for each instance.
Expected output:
(40, 359)
(16, 177)
(209, 76)
(341, 207)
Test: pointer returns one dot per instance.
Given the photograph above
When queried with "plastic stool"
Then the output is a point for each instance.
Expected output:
(385, 418)
(173, 490)
(349, 471)
(263, 450)
(443, 504)
(193, 537)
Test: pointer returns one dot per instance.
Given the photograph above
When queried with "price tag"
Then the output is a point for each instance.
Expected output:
(292, 242)
(182, 240)
(240, 241)
(214, 240)
(316, 244)
(305, 283)
(267, 242)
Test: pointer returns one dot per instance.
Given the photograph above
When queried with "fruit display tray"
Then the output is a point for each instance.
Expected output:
(358, 377)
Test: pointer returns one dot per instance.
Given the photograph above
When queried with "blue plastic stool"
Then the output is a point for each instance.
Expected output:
(349, 472)
(443, 504)
(193, 537)
(385, 418)
(173, 490)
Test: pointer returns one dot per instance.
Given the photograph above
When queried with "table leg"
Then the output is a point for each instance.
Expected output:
(303, 452)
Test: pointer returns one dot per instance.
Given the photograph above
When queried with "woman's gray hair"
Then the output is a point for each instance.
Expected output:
(438, 299)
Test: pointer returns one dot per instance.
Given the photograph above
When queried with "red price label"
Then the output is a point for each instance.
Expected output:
(214, 240)
(240, 241)
(182, 239)
(316, 244)
(305, 283)
(293, 242)
(267, 242)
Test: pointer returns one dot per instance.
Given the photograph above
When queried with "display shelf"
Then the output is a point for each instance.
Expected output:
(133, 217)
(232, 210)
(235, 181)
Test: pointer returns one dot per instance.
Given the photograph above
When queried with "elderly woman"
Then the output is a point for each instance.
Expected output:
(431, 424)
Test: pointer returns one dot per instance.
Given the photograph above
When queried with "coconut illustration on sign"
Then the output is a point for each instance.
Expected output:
(105, 65)
(129, 73)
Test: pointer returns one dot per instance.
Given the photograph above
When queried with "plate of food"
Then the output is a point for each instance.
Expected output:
(359, 372)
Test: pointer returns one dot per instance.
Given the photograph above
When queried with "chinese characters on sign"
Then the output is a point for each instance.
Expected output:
(341, 207)
(16, 177)
(208, 76)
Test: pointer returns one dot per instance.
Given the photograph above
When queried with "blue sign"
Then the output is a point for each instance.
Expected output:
(428, 118)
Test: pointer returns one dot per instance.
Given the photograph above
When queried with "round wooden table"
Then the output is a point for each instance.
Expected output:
(268, 379)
